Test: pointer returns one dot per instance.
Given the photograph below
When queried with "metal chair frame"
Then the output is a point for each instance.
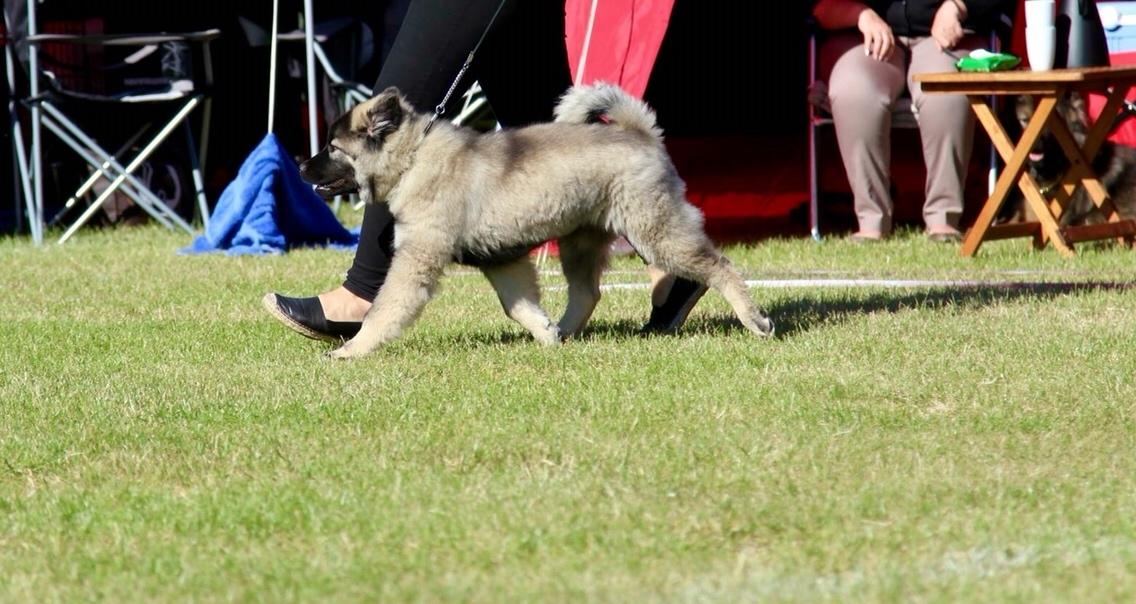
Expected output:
(45, 112)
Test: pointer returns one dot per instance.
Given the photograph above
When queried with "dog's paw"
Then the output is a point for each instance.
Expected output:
(766, 327)
(345, 352)
(549, 337)
(760, 325)
(771, 327)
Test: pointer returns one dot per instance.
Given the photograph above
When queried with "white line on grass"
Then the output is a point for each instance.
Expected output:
(894, 283)
(807, 274)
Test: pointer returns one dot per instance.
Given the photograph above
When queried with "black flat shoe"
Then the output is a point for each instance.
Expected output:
(305, 315)
(672, 314)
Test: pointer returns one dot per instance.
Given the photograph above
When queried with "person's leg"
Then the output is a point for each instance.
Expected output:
(432, 44)
(523, 65)
(862, 92)
(946, 126)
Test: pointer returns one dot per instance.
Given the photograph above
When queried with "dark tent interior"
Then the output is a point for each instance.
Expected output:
(728, 85)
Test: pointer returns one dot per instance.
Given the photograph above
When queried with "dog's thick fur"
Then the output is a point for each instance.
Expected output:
(1114, 165)
(599, 171)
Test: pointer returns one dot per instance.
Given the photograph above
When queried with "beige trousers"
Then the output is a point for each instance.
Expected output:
(863, 91)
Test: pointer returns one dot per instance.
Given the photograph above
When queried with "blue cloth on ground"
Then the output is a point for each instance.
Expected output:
(268, 209)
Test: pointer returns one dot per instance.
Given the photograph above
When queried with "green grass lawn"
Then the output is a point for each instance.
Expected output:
(162, 438)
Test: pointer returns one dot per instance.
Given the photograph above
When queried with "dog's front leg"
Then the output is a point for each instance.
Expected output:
(517, 288)
(410, 284)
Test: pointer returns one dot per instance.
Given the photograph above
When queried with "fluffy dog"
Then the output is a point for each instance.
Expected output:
(1114, 165)
(598, 171)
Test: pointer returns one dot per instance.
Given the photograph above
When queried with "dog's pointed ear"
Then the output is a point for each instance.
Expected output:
(385, 115)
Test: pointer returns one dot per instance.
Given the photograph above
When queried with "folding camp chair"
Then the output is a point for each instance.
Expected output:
(19, 155)
(153, 70)
(340, 91)
(339, 84)
(346, 93)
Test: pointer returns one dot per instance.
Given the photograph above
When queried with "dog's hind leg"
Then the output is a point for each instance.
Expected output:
(583, 257)
(411, 282)
(517, 288)
(681, 248)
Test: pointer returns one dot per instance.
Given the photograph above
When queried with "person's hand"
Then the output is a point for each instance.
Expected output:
(946, 29)
(879, 40)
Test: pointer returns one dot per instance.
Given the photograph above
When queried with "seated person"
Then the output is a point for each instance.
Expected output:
(869, 70)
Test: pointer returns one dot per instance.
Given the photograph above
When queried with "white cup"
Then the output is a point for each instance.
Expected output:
(1039, 13)
(1041, 44)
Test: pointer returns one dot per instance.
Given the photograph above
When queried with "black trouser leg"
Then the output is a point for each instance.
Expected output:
(522, 66)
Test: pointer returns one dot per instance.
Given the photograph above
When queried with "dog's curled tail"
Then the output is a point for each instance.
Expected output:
(606, 103)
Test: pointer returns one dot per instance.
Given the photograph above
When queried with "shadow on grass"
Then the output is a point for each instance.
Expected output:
(596, 330)
(813, 310)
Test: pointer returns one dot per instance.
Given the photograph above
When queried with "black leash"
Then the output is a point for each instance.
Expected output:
(441, 108)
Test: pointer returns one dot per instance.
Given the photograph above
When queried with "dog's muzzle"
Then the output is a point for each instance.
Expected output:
(327, 183)
(339, 186)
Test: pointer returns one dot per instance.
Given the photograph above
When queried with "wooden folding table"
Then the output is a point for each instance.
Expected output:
(1046, 87)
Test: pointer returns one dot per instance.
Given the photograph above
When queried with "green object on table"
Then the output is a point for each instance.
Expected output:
(984, 60)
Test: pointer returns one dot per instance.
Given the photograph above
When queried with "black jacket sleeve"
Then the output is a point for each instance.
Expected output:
(985, 10)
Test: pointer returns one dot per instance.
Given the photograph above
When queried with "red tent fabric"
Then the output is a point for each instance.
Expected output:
(614, 41)
(733, 180)
(621, 44)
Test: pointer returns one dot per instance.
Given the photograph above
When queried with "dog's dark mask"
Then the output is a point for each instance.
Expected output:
(360, 131)
(330, 175)
(1047, 161)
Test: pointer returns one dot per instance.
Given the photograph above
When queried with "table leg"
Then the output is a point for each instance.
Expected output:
(1080, 159)
(1058, 201)
(1080, 170)
(1014, 172)
(1098, 134)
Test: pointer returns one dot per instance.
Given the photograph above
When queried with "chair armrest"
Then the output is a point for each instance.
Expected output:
(298, 35)
(125, 39)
